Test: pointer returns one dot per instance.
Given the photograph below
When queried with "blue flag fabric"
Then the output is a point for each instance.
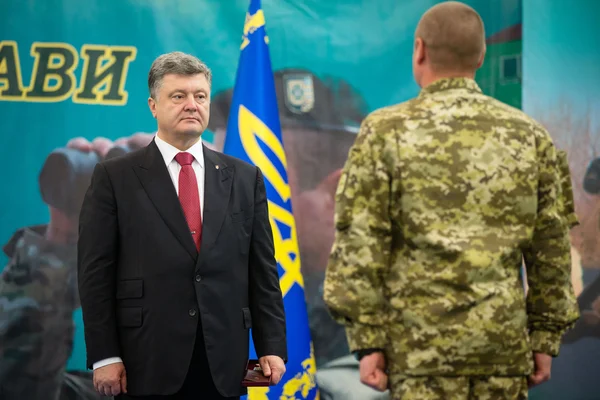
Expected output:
(254, 135)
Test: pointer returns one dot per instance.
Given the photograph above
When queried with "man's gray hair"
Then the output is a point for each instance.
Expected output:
(177, 63)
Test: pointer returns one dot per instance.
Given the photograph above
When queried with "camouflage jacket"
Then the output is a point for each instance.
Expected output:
(567, 204)
(439, 203)
(38, 294)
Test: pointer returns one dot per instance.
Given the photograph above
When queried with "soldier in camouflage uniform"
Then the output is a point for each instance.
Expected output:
(567, 204)
(589, 299)
(441, 199)
(38, 295)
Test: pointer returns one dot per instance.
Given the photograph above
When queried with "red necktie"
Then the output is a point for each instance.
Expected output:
(189, 196)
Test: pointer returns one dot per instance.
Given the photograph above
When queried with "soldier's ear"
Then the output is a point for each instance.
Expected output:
(419, 51)
(482, 57)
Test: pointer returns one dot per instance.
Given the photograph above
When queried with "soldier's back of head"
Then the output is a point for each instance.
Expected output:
(449, 48)
(449, 42)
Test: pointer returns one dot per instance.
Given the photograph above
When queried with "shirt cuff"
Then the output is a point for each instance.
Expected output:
(361, 337)
(107, 361)
(545, 342)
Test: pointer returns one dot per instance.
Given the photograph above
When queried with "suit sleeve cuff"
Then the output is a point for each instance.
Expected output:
(272, 348)
(361, 337)
(545, 342)
(107, 361)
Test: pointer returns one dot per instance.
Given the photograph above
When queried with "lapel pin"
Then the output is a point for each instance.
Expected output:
(216, 166)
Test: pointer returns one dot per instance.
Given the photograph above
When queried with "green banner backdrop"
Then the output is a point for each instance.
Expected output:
(72, 69)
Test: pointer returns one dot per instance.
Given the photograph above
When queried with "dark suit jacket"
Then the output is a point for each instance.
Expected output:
(143, 285)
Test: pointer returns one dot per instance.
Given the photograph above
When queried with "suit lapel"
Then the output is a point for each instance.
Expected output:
(217, 189)
(155, 179)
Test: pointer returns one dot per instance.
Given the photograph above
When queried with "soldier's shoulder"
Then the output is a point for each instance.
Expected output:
(10, 247)
(389, 116)
(399, 111)
(518, 116)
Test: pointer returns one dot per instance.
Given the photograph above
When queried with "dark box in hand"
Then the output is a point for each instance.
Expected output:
(254, 375)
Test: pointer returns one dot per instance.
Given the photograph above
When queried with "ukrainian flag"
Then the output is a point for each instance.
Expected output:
(254, 135)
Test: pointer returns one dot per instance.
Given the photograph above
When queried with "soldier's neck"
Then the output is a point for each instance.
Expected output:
(433, 76)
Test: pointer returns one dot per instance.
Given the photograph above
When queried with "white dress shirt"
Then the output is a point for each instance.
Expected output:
(169, 152)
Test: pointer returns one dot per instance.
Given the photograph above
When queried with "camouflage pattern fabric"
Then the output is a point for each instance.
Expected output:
(567, 204)
(441, 199)
(461, 388)
(38, 294)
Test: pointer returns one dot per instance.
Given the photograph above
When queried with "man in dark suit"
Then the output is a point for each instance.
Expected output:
(176, 257)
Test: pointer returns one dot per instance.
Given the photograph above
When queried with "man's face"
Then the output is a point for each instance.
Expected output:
(182, 105)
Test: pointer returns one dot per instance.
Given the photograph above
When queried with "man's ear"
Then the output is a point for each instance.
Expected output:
(152, 105)
(419, 51)
(482, 57)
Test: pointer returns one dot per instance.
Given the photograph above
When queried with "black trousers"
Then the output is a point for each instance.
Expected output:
(198, 384)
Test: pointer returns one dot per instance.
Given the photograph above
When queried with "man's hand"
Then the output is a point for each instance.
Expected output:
(62, 228)
(372, 371)
(100, 145)
(543, 364)
(111, 379)
(272, 366)
(137, 140)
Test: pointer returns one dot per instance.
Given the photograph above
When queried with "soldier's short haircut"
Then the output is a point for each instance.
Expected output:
(454, 36)
(177, 63)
